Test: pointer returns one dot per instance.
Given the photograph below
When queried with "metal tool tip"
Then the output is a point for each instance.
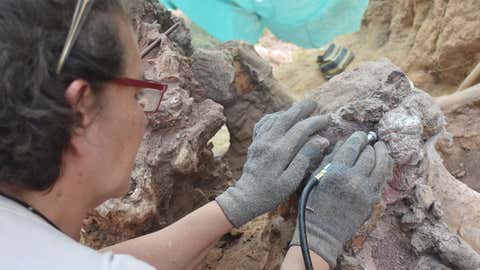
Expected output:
(372, 137)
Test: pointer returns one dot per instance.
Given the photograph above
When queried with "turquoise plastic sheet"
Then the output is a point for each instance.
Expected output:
(307, 23)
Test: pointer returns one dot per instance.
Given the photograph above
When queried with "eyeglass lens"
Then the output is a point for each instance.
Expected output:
(149, 99)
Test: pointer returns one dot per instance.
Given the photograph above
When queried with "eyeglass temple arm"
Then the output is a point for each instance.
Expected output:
(82, 10)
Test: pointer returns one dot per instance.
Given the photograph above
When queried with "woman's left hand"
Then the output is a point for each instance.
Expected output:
(284, 148)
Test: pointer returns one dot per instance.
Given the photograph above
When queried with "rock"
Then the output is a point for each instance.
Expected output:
(261, 246)
(413, 218)
(404, 31)
(461, 151)
(436, 210)
(430, 263)
(452, 250)
(348, 263)
(460, 204)
(150, 14)
(459, 173)
(214, 70)
(424, 196)
(377, 96)
(235, 76)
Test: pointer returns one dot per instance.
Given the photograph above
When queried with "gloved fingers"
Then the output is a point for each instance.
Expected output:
(351, 149)
(366, 162)
(293, 115)
(298, 135)
(265, 124)
(308, 157)
(383, 170)
(314, 150)
(295, 173)
(329, 158)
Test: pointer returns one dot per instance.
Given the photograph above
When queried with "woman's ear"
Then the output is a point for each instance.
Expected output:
(81, 98)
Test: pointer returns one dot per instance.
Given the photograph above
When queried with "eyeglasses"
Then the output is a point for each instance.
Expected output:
(152, 92)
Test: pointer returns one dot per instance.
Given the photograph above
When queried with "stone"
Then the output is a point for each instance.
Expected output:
(349, 263)
(451, 249)
(424, 196)
(235, 76)
(430, 263)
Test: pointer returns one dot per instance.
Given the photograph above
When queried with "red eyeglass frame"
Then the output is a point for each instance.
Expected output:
(144, 84)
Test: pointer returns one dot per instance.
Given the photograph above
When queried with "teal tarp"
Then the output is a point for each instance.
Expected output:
(307, 23)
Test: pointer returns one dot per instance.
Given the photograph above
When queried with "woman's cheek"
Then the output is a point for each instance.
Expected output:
(141, 123)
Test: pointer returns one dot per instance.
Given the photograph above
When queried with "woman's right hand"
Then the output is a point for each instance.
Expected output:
(344, 198)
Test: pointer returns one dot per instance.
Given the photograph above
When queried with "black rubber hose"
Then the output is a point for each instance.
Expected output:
(302, 206)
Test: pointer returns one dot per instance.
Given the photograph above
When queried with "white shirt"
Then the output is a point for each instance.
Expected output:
(27, 242)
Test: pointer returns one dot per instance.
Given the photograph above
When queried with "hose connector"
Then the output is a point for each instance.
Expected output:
(372, 137)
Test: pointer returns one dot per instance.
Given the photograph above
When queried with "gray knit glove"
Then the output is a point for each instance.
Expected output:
(344, 198)
(282, 151)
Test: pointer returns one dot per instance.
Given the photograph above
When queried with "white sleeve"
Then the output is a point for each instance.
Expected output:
(125, 262)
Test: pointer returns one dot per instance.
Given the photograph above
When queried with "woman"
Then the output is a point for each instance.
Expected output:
(70, 126)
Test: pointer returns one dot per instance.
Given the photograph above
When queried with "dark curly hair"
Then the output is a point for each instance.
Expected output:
(35, 119)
